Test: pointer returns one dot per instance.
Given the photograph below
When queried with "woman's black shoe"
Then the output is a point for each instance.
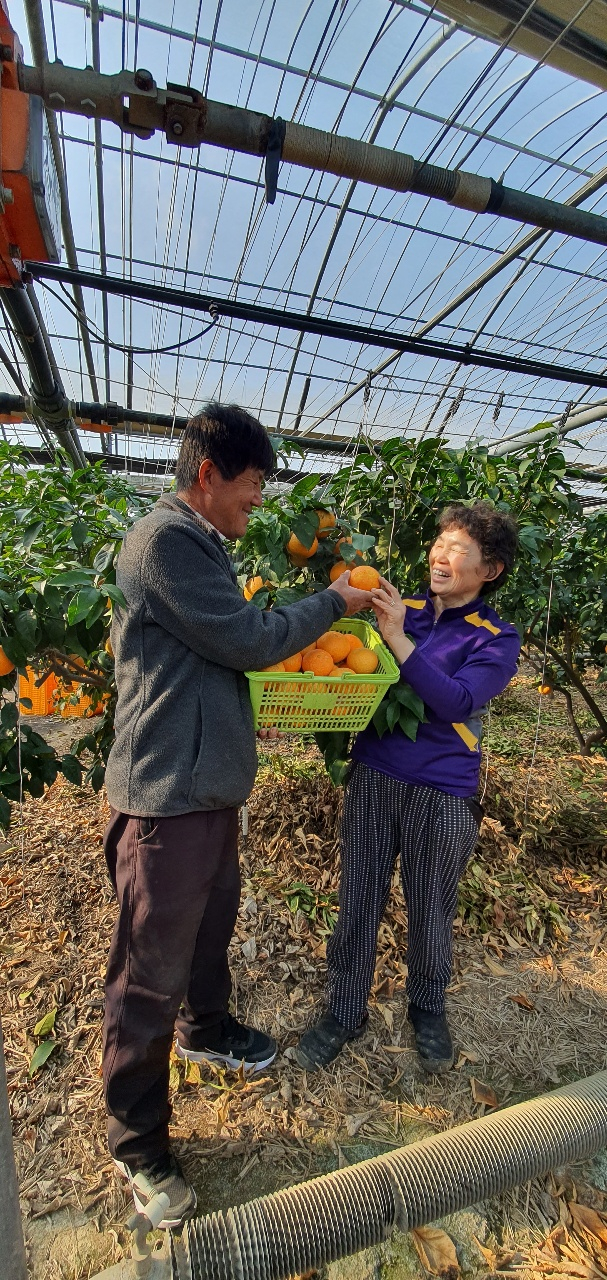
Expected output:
(432, 1040)
(322, 1043)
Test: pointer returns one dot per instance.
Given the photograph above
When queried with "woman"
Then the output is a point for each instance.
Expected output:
(419, 798)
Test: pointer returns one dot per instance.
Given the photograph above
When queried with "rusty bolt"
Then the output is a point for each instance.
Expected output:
(144, 80)
(177, 128)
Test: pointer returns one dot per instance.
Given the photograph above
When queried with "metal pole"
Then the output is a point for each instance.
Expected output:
(321, 325)
(135, 103)
(12, 1247)
(37, 35)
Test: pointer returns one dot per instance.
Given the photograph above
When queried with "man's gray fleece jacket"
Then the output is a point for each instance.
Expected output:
(184, 724)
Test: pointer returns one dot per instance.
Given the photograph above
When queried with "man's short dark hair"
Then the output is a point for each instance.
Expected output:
(232, 438)
(494, 531)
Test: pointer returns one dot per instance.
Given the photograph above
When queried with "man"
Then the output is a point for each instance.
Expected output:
(183, 761)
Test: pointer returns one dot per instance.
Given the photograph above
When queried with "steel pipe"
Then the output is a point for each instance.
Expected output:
(322, 325)
(48, 399)
(133, 101)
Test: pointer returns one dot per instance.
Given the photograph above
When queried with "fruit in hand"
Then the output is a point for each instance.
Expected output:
(364, 578)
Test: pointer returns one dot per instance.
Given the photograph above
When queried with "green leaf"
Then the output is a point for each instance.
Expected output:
(305, 527)
(41, 1055)
(9, 715)
(71, 769)
(73, 578)
(115, 594)
(104, 558)
(46, 1023)
(5, 814)
(26, 627)
(408, 698)
(304, 487)
(80, 533)
(408, 723)
(362, 541)
(82, 604)
(380, 719)
(392, 714)
(30, 534)
(27, 703)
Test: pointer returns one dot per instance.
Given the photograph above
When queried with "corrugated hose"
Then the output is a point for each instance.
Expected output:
(306, 1226)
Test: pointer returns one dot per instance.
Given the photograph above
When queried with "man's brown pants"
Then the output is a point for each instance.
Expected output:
(178, 886)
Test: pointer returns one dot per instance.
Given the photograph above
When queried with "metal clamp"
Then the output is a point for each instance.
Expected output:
(276, 137)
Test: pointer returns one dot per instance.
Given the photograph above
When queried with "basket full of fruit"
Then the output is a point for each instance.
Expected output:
(335, 684)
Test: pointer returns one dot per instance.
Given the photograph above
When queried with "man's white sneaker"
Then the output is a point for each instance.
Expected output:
(233, 1044)
(164, 1174)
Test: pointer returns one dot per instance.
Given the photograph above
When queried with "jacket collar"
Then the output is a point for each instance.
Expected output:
(461, 611)
(184, 508)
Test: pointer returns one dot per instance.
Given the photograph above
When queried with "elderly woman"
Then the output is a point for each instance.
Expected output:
(419, 798)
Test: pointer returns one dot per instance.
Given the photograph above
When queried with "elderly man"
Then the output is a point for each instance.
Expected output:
(183, 761)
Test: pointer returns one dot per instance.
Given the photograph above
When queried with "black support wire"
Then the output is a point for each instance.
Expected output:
(317, 324)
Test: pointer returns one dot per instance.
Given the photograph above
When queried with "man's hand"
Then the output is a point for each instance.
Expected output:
(355, 600)
(391, 612)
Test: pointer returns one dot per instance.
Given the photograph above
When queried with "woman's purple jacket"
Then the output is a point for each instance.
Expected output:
(461, 660)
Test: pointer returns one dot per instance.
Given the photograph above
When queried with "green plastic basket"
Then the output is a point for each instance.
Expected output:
(301, 702)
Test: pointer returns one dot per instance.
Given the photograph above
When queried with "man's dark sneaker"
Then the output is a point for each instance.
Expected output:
(322, 1043)
(164, 1174)
(235, 1045)
(432, 1039)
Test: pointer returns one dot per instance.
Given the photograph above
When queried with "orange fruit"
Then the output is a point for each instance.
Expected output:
(364, 578)
(337, 671)
(353, 641)
(296, 548)
(340, 542)
(362, 661)
(292, 664)
(334, 643)
(545, 688)
(326, 522)
(253, 585)
(276, 666)
(6, 666)
(308, 649)
(337, 570)
(318, 662)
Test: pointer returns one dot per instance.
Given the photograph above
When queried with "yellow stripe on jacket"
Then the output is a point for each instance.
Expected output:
(476, 621)
(467, 736)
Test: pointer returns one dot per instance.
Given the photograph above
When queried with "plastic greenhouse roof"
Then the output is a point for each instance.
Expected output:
(198, 219)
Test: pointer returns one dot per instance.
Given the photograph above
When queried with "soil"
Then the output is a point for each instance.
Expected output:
(527, 1004)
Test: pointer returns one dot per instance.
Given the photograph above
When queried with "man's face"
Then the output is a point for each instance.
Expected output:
(229, 503)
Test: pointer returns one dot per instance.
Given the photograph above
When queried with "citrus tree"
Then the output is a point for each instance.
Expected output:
(60, 533)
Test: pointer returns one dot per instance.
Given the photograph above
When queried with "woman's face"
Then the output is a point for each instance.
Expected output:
(457, 568)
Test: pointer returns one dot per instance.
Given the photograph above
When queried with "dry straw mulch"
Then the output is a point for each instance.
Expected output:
(528, 1005)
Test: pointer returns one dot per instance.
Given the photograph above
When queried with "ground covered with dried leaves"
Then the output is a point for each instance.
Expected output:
(527, 1004)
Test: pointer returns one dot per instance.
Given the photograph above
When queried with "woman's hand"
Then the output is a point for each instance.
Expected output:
(391, 612)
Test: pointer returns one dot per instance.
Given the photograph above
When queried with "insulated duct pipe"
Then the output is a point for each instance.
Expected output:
(304, 1227)
(133, 101)
(521, 439)
(49, 401)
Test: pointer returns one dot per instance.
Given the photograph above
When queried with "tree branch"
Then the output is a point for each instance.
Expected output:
(574, 679)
